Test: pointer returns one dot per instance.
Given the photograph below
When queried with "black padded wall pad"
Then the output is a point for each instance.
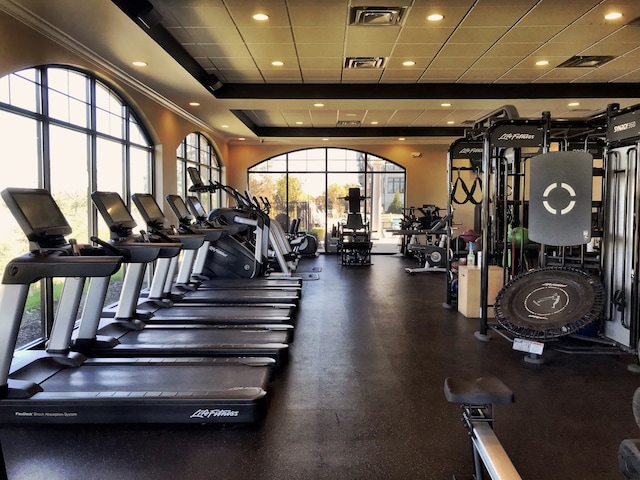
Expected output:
(560, 198)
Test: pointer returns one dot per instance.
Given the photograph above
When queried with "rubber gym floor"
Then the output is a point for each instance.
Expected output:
(362, 398)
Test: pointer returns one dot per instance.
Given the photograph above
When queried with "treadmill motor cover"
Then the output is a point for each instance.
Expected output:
(549, 302)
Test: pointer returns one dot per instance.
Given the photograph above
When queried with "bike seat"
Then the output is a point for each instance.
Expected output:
(483, 390)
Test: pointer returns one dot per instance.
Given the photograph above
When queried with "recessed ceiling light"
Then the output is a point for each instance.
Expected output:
(241, 138)
(277, 63)
(351, 115)
(318, 104)
(299, 123)
(374, 123)
(261, 17)
(542, 63)
(436, 17)
(325, 139)
(409, 63)
(139, 63)
(194, 104)
(224, 126)
(402, 139)
(613, 16)
(445, 104)
(450, 122)
(574, 104)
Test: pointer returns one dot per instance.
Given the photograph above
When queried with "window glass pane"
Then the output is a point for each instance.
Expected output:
(308, 160)
(275, 164)
(109, 166)
(181, 188)
(140, 169)
(109, 112)
(136, 134)
(340, 160)
(20, 90)
(69, 178)
(68, 96)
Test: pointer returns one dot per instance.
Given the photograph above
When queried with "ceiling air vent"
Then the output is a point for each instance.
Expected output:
(587, 61)
(377, 15)
(348, 123)
(364, 62)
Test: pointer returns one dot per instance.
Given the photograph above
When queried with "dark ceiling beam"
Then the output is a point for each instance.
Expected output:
(361, 132)
(422, 91)
(149, 20)
(299, 132)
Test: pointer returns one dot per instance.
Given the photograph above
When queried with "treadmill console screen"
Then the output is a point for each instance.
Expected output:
(196, 179)
(149, 209)
(113, 210)
(37, 213)
(196, 207)
(179, 208)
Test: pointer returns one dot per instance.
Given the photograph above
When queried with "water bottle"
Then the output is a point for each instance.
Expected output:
(471, 258)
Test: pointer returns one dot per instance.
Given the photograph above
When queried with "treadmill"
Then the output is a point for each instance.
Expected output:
(189, 224)
(57, 385)
(110, 337)
(132, 306)
(155, 219)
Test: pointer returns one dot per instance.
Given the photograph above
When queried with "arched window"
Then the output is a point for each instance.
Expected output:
(69, 132)
(197, 151)
(311, 185)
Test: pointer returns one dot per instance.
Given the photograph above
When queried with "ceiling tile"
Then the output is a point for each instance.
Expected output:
(201, 16)
(233, 63)
(371, 50)
(441, 75)
(242, 12)
(401, 75)
(380, 116)
(441, 62)
(531, 34)
(318, 63)
(267, 50)
(371, 35)
(496, 62)
(502, 49)
(281, 76)
(416, 50)
(488, 15)
(264, 63)
(477, 34)
(361, 75)
(318, 15)
(320, 50)
(463, 50)
(319, 35)
(436, 35)
(321, 76)
(266, 34)
(404, 117)
(484, 75)
(213, 35)
(553, 12)
(453, 14)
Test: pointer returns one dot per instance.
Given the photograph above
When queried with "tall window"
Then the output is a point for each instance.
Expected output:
(197, 151)
(67, 131)
(311, 185)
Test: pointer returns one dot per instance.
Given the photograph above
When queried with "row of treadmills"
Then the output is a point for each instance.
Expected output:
(187, 349)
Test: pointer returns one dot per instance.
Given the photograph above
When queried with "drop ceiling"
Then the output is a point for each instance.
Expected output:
(480, 56)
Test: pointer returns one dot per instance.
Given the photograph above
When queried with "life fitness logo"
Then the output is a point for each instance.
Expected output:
(551, 188)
